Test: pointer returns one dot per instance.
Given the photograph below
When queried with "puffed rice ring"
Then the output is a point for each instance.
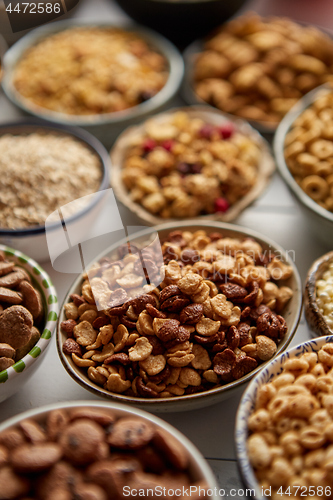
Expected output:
(316, 187)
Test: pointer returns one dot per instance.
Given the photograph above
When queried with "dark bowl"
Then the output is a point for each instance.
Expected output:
(182, 21)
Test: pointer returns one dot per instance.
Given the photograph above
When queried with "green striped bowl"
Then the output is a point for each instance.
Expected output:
(11, 379)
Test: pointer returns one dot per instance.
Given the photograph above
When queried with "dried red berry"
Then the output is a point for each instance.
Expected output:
(227, 130)
(149, 145)
(221, 205)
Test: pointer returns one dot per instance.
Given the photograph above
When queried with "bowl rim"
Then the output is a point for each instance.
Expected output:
(198, 459)
(33, 125)
(310, 293)
(161, 44)
(278, 148)
(155, 402)
(50, 303)
(266, 164)
(247, 402)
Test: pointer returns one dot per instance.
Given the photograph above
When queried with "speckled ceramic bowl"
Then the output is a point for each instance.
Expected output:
(12, 379)
(247, 405)
(313, 315)
(198, 466)
(187, 402)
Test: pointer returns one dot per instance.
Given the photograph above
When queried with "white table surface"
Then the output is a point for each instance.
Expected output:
(275, 214)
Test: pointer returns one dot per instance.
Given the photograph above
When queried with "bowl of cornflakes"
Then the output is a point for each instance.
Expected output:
(190, 162)
(94, 75)
(180, 316)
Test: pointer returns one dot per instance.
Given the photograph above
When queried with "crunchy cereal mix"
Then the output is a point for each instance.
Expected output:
(92, 454)
(291, 429)
(258, 68)
(21, 313)
(40, 173)
(84, 71)
(183, 166)
(215, 317)
(309, 151)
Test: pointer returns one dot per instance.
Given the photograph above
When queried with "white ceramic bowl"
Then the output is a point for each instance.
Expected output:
(266, 164)
(108, 125)
(198, 467)
(13, 378)
(187, 402)
(247, 405)
(32, 240)
(318, 219)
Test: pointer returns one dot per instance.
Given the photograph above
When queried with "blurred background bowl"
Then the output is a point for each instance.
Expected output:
(266, 165)
(313, 315)
(32, 240)
(13, 378)
(291, 313)
(104, 126)
(318, 219)
(198, 467)
(182, 21)
(247, 406)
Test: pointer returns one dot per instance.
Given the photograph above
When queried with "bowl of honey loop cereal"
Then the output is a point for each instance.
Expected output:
(303, 151)
(284, 425)
(179, 317)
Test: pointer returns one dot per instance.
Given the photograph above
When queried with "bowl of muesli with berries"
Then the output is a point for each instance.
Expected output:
(180, 316)
(190, 162)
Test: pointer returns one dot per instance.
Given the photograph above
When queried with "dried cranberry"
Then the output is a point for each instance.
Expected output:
(149, 145)
(184, 168)
(168, 144)
(227, 130)
(206, 131)
(221, 205)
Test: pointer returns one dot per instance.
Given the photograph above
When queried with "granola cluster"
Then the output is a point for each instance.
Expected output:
(258, 68)
(309, 150)
(42, 172)
(89, 453)
(212, 320)
(84, 71)
(183, 166)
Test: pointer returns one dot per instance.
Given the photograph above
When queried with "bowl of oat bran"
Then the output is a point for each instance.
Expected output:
(113, 75)
(44, 167)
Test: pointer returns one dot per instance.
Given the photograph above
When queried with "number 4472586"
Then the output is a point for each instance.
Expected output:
(34, 8)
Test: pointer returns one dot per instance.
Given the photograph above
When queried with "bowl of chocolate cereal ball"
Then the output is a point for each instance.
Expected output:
(97, 76)
(28, 316)
(179, 316)
(46, 168)
(257, 68)
(119, 451)
(190, 162)
(304, 155)
(284, 427)
(318, 296)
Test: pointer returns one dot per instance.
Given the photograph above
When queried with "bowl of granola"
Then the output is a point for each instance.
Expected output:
(190, 162)
(119, 451)
(97, 76)
(257, 68)
(284, 425)
(180, 316)
(304, 153)
(46, 167)
(29, 312)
